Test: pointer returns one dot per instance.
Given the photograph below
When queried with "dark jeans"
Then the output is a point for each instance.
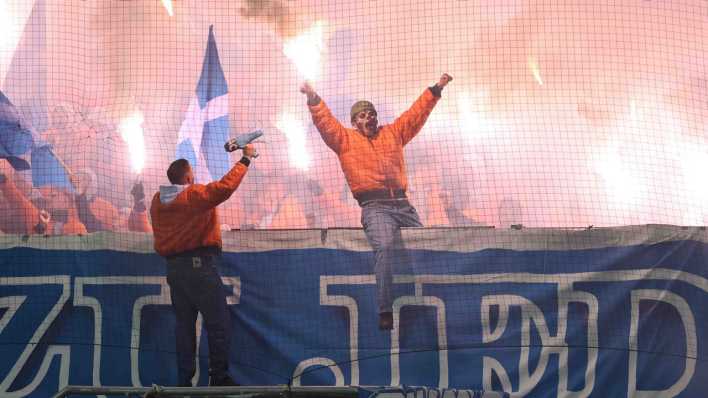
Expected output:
(196, 287)
(382, 221)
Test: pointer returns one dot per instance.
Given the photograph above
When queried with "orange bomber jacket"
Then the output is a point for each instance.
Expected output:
(189, 220)
(19, 215)
(373, 163)
(22, 216)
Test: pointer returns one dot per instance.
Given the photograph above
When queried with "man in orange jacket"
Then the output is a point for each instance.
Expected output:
(50, 212)
(371, 157)
(187, 233)
(18, 214)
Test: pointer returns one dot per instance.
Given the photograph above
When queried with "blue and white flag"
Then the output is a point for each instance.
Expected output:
(24, 149)
(48, 169)
(206, 126)
(16, 136)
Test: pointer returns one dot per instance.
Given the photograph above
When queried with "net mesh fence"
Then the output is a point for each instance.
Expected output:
(560, 114)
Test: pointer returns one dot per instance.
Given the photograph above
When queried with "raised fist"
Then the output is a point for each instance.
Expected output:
(138, 192)
(249, 151)
(307, 89)
(444, 80)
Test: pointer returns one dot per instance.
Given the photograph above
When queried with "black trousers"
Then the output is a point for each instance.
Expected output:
(196, 287)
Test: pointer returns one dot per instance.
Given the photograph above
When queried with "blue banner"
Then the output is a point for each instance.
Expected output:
(598, 313)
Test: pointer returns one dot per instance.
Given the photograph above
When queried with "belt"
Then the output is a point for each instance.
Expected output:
(199, 252)
(380, 194)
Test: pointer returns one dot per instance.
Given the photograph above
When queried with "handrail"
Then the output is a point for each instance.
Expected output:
(243, 392)
(156, 391)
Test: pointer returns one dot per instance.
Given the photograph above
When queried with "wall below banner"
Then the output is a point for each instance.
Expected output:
(552, 312)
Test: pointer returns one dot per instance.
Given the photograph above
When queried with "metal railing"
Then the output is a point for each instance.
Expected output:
(279, 391)
(429, 392)
(242, 392)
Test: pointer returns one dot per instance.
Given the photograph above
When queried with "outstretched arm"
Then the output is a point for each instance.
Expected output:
(138, 220)
(331, 130)
(409, 124)
(217, 192)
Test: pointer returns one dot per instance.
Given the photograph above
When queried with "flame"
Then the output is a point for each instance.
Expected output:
(168, 7)
(11, 22)
(131, 130)
(5, 24)
(472, 108)
(633, 112)
(694, 160)
(620, 183)
(305, 50)
(535, 70)
(294, 130)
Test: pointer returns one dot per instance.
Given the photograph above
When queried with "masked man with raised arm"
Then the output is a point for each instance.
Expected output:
(187, 233)
(371, 157)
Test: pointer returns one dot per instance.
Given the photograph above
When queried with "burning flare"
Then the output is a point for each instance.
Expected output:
(10, 30)
(294, 131)
(131, 130)
(472, 108)
(305, 50)
(168, 7)
(5, 25)
(535, 70)
(622, 186)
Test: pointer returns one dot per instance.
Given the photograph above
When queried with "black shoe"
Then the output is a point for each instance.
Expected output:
(225, 381)
(386, 321)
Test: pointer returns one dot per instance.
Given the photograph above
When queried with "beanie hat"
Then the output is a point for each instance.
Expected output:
(361, 106)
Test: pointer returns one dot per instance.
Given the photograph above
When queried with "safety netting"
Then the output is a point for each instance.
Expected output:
(520, 187)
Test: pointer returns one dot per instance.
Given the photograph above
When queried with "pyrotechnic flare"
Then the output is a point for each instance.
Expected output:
(6, 27)
(294, 130)
(620, 183)
(305, 50)
(535, 71)
(131, 130)
(168, 7)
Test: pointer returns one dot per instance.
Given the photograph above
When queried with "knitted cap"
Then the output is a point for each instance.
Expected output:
(361, 106)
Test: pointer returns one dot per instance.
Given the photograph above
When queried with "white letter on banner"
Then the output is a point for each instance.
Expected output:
(13, 304)
(566, 296)
(689, 326)
(322, 362)
(422, 301)
(559, 346)
(81, 300)
(162, 298)
(529, 312)
(350, 304)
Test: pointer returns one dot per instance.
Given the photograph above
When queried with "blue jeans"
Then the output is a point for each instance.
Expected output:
(196, 287)
(382, 221)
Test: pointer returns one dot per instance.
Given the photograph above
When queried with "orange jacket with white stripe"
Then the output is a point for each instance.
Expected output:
(189, 220)
(373, 163)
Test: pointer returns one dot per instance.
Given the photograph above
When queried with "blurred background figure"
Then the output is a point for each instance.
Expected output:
(46, 210)
(138, 218)
(98, 214)
(18, 215)
(568, 129)
(62, 209)
(455, 211)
